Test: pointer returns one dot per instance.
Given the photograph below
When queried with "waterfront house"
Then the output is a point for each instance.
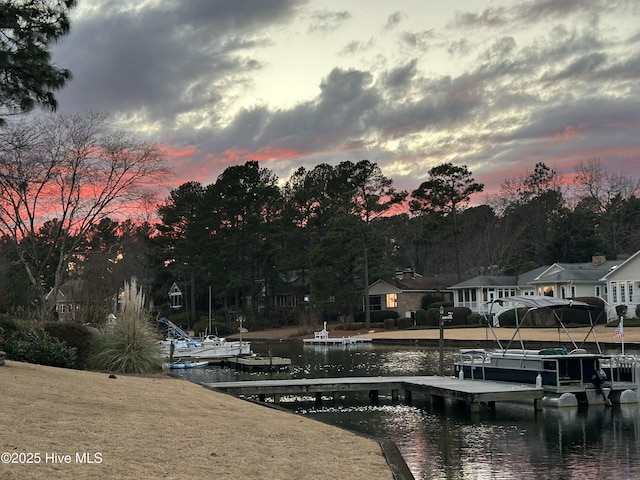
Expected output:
(622, 284)
(477, 292)
(560, 280)
(404, 293)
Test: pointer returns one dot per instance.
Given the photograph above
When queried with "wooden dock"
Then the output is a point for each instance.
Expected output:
(255, 363)
(473, 392)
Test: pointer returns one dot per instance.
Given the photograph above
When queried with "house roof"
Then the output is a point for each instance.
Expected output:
(413, 283)
(68, 290)
(574, 272)
(429, 283)
(621, 265)
(496, 281)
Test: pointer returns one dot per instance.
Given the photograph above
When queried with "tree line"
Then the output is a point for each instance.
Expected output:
(273, 252)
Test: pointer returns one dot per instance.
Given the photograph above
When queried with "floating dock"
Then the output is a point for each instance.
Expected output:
(322, 338)
(258, 363)
(473, 392)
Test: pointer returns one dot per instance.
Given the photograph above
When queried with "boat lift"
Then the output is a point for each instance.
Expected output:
(174, 332)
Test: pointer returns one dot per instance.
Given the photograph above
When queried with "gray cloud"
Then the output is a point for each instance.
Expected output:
(326, 21)
(529, 81)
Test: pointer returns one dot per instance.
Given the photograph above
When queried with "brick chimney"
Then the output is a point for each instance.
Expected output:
(598, 259)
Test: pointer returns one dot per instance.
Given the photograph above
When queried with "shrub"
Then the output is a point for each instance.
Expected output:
(130, 345)
(404, 323)
(389, 323)
(621, 310)
(421, 317)
(41, 348)
(459, 315)
(475, 319)
(74, 335)
(376, 315)
(432, 301)
(432, 317)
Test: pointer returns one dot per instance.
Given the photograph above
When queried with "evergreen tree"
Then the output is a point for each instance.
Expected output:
(27, 30)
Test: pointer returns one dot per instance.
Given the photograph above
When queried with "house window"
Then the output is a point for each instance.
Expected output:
(598, 292)
(614, 293)
(392, 300)
(622, 297)
(573, 291)
(375, 303)
(630, 292)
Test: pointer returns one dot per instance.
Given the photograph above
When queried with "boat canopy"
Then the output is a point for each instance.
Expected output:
(534, 302)
(539, 301)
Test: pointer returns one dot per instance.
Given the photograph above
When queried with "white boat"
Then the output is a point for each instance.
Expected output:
(322, 338)
(179, 345)
(568, 377)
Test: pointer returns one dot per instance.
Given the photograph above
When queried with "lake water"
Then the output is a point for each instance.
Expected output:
(443, 441)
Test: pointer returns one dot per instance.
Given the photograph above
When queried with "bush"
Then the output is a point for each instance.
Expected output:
(390, 323)
(376, 315)
(40, 348)
(74, 335)
(621, 310)
(432, 317)
(130, 345)
(421, 318)
(459, 314)
(475, 319)
(433, 301)
(404, 323)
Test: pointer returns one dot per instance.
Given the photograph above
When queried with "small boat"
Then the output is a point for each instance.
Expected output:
(568, 378)
(183, 364)
(322, 338)
(179, 345)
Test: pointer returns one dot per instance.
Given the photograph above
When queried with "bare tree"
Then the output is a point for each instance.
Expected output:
(69, 172)
(602, 186)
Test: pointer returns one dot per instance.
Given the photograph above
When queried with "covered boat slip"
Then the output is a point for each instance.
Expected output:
(589, 377)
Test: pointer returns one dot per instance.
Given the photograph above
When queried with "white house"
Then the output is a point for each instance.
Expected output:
(560, 280)
(623, 286)
(477, 292)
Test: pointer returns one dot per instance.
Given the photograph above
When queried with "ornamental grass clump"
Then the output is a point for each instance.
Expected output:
(129, 344)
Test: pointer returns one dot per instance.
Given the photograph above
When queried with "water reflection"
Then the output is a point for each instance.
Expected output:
(441, 440)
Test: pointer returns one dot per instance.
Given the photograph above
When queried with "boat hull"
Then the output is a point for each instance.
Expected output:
(566, 379)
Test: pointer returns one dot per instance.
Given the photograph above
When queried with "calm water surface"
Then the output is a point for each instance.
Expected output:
(443, 441)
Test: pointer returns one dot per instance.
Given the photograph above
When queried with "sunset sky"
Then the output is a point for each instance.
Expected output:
(409, 84)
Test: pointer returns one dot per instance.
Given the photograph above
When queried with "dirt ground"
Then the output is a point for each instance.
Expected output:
(134, 427)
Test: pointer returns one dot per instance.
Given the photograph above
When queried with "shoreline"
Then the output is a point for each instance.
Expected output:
(465, 337)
